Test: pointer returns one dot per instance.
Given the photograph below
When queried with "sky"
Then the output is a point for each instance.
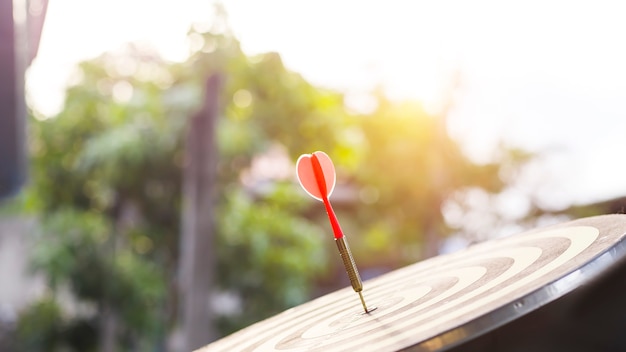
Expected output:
(545, 76)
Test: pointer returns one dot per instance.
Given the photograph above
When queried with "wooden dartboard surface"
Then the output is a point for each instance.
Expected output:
(442, 302)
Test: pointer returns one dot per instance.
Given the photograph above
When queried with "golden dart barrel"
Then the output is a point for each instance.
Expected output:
(348, 263)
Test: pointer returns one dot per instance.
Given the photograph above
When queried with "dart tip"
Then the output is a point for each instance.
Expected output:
(364, 305)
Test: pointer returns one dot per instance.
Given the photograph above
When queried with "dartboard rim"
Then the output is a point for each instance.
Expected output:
(527, 303)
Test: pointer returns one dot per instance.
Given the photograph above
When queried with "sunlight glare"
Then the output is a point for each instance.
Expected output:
(76, 30)
(122, 92)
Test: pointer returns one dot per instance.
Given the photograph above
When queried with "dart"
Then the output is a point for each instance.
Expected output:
(316, 174)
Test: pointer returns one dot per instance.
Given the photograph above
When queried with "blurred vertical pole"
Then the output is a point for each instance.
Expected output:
(197, 258)
(21, 23)
(12, 105)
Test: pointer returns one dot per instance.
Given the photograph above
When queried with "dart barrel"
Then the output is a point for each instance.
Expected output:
(348, 263)
(558, 288)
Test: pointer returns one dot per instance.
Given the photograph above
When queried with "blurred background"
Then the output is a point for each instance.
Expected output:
(148, 149)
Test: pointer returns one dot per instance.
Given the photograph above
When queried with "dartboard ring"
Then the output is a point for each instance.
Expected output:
(443, 301)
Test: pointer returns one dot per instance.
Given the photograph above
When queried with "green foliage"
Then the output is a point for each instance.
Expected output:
(76, 249)
(39, 327)
(263, 104)
(267, 255)
(70, 247)
(42, 327)
(105, 184)
(107, 176)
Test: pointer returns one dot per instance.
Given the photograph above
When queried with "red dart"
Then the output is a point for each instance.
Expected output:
(316, 174)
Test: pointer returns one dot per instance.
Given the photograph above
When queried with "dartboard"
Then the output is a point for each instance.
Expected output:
(447, 300)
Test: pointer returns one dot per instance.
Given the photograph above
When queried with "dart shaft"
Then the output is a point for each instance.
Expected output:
(348, 262)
